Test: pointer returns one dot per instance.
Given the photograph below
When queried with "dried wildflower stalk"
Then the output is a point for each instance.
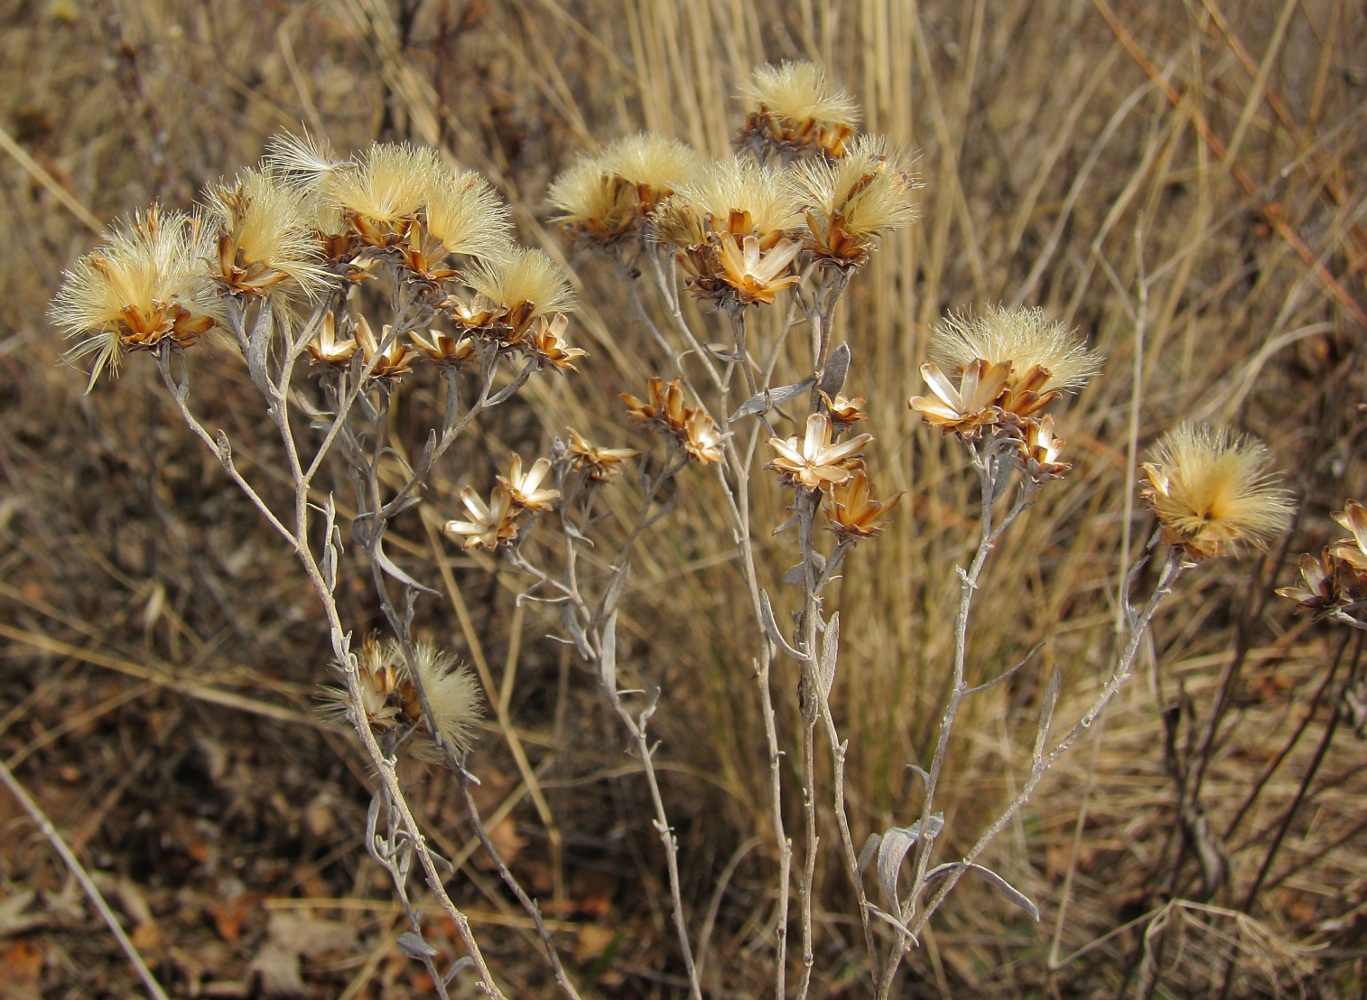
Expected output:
(271, 266)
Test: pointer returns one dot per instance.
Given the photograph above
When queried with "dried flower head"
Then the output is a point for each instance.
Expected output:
(383, 190)
(1212, 493)
(146, 285)
(689, 426)
(1024, 339)
(547, 342)
(1040, 449)
(523, 487)
(389, 357)
(391, 704)
(971, 408)
(812, 461)
(1353, 551)
(665, 410)
(791, 109)
(526, 283)
(604, 199)
(266, 237)
(702, 437)
(1335, 584)
(843, 411)
(490, 525)
(753, 275)
(853, 200)
(465, 215)
(444, 350)
(852, 510)
(597, 464)
(327, 348)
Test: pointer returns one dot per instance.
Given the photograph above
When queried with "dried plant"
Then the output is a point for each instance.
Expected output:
(391, 267)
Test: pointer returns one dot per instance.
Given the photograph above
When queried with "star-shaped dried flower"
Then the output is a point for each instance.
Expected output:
(812, 461)
(395, 360)
(702, 437)
(1212, 493)
(597, 464)
(326, 348)
(843, 410)
(852, 510)
(522, 487)
(1352, 551)
(967, 410)
(547, 342)
(490, 524)
(446, 350)
(1040, 449)
(756, 276)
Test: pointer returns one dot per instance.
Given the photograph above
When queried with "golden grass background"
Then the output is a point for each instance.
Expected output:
(1179, 181)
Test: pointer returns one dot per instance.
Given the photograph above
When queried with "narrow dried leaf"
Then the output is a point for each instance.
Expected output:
(388, 566)
(897, 841)
(837, 367)
(766, 400)
(415, 947)
(607, 662)
(771, 628)
(870, 847)
(830, 651)
(1009, 891)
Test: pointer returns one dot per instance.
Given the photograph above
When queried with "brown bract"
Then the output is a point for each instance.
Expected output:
(812, 461)
(852, 510)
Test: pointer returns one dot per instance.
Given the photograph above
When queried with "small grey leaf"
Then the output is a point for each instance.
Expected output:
(390, 568)
(830, 650)
(766, 400)
(837, 367)
(866, 855)
(1009, 891)
(607, 661)
(897, 841)
(225, 448)
(795, 575)
(415, 947)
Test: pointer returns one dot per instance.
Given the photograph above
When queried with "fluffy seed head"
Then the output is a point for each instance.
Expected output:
(1024, 338)
(1213, 493)
(851, 200)
(466, 215)
(527, 282)
(739, 196)
(390, 700)
(265, 236)
(791, 106)
(603, 198)
(147, 283)
(386, 187)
